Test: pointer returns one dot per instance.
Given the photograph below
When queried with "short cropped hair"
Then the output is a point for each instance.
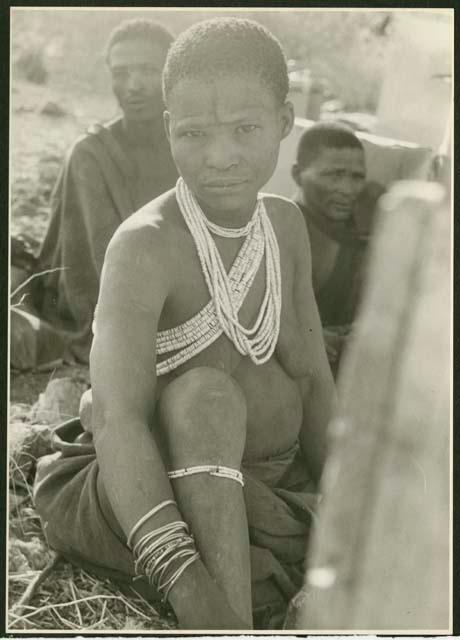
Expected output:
(227, 45)
(325, 135)
(139, 29)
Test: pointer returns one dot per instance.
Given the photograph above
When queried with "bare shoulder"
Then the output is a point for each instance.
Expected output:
(138, 268)
(288, 222)
(144, 237)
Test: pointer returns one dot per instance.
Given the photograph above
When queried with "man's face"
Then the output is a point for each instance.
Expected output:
(136, 67)
(225, 135)
(332, 182)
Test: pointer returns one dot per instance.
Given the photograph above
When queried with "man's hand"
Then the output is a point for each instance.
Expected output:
(334, 340)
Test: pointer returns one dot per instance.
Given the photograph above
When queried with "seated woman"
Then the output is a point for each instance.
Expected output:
(211, 387)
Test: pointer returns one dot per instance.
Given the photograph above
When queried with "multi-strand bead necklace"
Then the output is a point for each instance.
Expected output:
(227, 290)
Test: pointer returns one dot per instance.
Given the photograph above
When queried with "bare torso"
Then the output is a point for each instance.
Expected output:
(152, 281)
(324, 252)
(273, 397)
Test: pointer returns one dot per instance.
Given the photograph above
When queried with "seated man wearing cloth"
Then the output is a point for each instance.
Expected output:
(338, 206)
(110, 172)
(211, 387)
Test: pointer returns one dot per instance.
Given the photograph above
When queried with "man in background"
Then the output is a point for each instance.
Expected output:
(108, 174)
(337, 205)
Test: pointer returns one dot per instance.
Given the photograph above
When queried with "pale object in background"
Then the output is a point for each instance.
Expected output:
(416, 95)
(380, 556)
(387, 160)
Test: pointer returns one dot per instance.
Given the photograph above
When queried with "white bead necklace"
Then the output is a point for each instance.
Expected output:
(259, 341)
(229, 232)
(200, 331)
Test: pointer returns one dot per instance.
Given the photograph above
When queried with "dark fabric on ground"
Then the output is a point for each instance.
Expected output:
(33, 342)
(106, 176)
(78, 521)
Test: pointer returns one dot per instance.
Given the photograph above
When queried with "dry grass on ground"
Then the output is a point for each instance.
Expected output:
(70, 599)
(67, 598)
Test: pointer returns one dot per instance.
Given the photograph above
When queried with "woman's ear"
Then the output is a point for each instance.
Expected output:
(287, 119)
(295, 173)
(166, 122)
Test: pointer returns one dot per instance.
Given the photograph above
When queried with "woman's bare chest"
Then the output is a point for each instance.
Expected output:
(190, 301)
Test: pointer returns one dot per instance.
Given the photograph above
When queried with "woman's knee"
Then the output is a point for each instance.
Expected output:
(204, 409)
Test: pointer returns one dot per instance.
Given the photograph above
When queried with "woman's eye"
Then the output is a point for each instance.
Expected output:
(193, 134)
(247, 128)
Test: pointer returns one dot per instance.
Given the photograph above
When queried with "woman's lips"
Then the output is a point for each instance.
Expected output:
(224, 185)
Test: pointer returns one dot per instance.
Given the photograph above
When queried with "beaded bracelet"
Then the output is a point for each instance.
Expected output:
(157, 559)
(144, 519)
(161, 569)
(165, 535)
(160, 534)
(154, 551)
(157, 550)
(178, 574)
(212, 469)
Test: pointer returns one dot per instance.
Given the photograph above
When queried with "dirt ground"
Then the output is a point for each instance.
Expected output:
(44, 123)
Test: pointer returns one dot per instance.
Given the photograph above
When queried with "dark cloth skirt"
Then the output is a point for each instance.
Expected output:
(79, 523)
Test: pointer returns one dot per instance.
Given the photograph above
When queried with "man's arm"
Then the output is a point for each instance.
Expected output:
(134, 288)
(317, 387)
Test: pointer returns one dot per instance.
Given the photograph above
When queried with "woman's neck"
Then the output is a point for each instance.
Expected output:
(230, 219)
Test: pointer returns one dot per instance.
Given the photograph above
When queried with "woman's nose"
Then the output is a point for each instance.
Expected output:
(221, 153)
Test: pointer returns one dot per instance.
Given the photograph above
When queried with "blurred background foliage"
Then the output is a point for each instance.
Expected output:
(60, 83)
(345, 50)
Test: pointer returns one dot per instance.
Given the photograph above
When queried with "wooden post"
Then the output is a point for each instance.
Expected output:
(379, 558)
